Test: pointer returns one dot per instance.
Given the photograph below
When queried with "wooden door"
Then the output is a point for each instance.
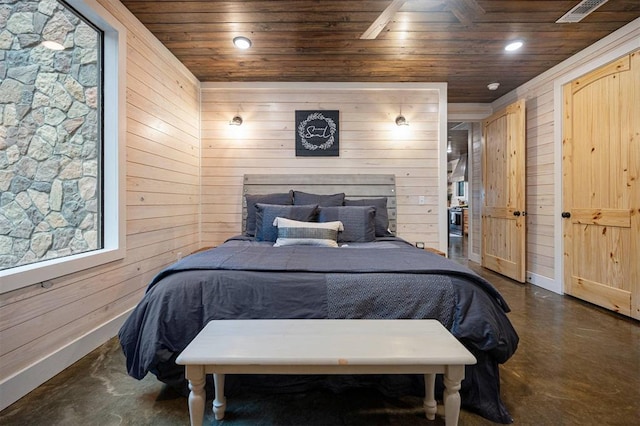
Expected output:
(601, 186)
(503, 186)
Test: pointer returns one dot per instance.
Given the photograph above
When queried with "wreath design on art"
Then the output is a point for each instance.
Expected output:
(303, 126)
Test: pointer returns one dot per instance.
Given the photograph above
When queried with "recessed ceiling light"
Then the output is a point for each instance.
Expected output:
(513, 46)
(493, 86)
(53, 45)
(242, 42)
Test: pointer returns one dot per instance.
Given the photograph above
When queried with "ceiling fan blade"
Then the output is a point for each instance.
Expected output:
(382, 20)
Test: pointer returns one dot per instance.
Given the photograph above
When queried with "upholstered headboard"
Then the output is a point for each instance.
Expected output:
(354, 186)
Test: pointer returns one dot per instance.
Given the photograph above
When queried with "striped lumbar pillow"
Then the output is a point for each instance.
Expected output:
(294, 232)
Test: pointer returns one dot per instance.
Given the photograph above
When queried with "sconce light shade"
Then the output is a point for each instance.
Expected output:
(236, 121)
(401, 121)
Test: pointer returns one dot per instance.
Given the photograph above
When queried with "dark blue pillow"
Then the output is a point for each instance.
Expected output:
(359, 222)
(267, 213)
(382, 215)
(253, 199)
(304, 198)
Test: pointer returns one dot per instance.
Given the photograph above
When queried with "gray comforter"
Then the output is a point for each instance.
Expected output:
(385, 279)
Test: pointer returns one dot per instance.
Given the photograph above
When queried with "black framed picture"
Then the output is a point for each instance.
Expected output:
(317, 134)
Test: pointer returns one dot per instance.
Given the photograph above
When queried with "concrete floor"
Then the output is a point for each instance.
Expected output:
(576, 364)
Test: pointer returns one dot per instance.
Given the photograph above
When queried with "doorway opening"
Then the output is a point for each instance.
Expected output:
(458, 189)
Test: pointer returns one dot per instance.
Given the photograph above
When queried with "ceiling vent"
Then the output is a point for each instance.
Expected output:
(580, 11)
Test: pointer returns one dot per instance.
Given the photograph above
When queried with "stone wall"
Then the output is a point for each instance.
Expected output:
(49, 133)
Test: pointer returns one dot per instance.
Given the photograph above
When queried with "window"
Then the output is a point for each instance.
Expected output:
(60, 194)
(460, 189)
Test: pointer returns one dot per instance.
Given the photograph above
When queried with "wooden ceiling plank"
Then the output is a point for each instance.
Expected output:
(476, 30)
(390, 39)
(265, 6)
(322, 17)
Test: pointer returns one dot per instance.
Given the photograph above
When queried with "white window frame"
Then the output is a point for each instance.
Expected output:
(113, 168)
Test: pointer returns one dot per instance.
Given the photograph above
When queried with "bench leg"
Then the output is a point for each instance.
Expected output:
(452, 379)
(197, 397)
(220, 401)
(430, 404)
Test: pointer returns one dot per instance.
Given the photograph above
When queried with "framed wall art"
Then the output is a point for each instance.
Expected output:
(317, 134)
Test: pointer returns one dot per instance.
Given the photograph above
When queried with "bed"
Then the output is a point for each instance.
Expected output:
(322, 247)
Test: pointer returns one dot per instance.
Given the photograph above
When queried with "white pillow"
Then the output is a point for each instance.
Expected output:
(293, 232)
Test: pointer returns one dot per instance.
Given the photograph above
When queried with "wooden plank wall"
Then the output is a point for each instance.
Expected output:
(540, 177)
(540, 183)
(475, 157)
(370, 142)
(162, 198)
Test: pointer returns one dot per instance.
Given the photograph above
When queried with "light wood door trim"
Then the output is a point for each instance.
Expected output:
(622, 64)
(503, 182)
(603, 217)
(601, 295)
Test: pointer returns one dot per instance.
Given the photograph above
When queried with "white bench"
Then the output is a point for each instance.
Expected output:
(325, 347)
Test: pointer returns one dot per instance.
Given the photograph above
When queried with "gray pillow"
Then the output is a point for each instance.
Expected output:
(304, 198)
(293, 232)
(267, 213)
(252, 200)
(382, 215)
(358, 221)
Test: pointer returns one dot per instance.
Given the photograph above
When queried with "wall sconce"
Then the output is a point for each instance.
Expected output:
(236, 121)
(401, 121)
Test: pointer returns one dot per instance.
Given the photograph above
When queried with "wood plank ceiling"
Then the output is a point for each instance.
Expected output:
(460, 42)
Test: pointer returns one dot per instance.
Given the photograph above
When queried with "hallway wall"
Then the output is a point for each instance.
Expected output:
(544, 143)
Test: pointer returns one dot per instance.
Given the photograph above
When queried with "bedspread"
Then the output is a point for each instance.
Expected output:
(245, 280)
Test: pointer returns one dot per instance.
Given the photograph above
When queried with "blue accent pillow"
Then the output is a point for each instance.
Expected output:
(266, 214)
(382, 215)
(304, 198)
(252, 200)
(358, 221)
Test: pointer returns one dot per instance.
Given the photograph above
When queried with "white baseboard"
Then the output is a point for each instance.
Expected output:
(21, 383)
(544, 282)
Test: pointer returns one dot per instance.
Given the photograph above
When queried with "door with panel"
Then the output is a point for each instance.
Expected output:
(601, 186)
(503, 188)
